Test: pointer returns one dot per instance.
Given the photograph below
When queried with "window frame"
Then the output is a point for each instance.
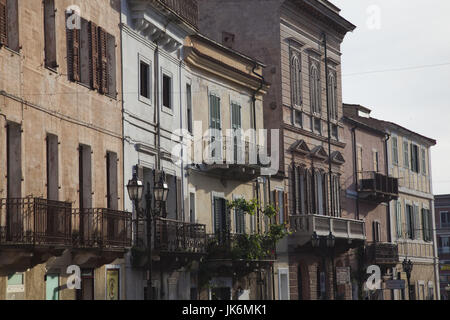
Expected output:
(143, 60)
(296, 79)
(315, 87)
(169, 110)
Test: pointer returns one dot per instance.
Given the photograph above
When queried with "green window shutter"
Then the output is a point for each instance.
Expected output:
(424, 162)
(406, 154)
(399, 219)
(416, 223)
(395, 150)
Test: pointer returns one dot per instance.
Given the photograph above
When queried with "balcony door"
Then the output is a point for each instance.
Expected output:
(85, 186)
(215, 127)
(220, 218)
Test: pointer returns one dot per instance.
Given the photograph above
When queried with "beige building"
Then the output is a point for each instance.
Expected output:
(61, 150)
(227, 95)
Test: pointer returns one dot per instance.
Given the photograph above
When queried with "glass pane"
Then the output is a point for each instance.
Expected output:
(15, 279)
(52, 287)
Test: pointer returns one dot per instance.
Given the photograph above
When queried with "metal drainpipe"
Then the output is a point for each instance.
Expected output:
(355, 160)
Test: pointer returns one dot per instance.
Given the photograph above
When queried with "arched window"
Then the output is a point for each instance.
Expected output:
(296, 80)
(332, 95)
(314, 85)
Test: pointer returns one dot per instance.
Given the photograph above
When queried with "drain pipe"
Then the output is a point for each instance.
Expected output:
(355, 172)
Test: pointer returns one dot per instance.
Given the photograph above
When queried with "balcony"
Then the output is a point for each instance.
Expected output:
(376, 187)
(35, 222)
(104, 229)
(32, 230)
(304, 227)
(186, 9)
(176, 237)
(231, 160)
(383, 253)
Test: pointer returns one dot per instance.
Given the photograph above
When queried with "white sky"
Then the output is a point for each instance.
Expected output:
(413, 35)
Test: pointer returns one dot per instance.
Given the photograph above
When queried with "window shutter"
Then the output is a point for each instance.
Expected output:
(112, 183)
(425, 225)
(286, 210)
(416, 230)
(408, 220)
(73, 53)
(3, 23)
(296, 192)
(276, 204)
(93, 56)
(52, 167)
(399, 219)
(179, 201)
(325, 194)
(103, 60)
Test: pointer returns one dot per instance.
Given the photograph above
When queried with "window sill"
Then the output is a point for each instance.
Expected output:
(10, 50)
(145, 100)
(52, 69)
(167, 110)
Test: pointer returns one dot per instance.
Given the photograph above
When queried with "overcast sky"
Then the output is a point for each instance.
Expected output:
(413, 36)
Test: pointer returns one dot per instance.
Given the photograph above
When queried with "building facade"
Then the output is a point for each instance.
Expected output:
(224, 119)
(299, 41)
(411, 226)
(442, 220)
(61, 150)
(154, 99)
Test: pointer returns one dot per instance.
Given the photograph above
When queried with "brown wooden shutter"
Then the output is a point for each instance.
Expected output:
(14, 160)
(93, 56)
(52, 168)
(73, 53)
(286, 209)
(85, 175)
(103, 60)
(276, 205)
(112, 186)
(3, 23)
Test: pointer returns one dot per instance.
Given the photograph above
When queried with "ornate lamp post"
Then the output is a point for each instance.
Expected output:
(407, 267)
(135, 189)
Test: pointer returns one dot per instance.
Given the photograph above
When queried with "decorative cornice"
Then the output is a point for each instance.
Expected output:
(319, 153)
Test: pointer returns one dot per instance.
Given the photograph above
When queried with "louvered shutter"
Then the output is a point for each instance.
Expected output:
(424, 225)
(93, 56)
(408, 221)
(325, 194)
(286, 211)
(3, 23)
(276, 205)
(302, 191)
(74, 53)
(103, 60)
(399, 219)
(112, 183)
(179, 201)
(297, 195)
(416, 223)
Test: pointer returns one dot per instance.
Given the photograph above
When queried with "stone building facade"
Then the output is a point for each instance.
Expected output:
(61, 159)
(305, 103)
(442, 220)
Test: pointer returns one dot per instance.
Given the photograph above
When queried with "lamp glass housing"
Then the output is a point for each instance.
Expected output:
(135, 189)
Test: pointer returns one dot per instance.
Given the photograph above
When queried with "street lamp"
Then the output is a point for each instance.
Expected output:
(135, 189)
(407, 267)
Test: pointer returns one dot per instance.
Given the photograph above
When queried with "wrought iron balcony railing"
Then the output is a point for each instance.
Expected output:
(35, 222)
(377, 187)
(173, 236)
(101, 228)
(186, 9)
(383, 253)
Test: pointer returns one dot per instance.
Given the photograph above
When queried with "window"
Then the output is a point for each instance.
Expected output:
(398, 215)
(298, 118)
(9, 24)
(395, 150)
(296, 80)
(14, 165)
(52, 167)
(192, 216)
(220, 219)
(410, 221)
(283, 283)
(332, 95)
(427, 225)
(315, 91)
(189, 107)
(167, 91)
(406, 154)
(280, 203)
(144, 80)
(336, 192)
(415, 158)
(239, 221)
(85, 177)
(317, 125)
(215, 127)
(424, 161)
(111, 180)
(376, 226)
(444, 242)
(50, 34)
(334, 132)
(375, 161)
(91, 57)
(445, 219)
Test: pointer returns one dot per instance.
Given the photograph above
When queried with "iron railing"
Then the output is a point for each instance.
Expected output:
(379, 183)
(35, 221)
(172, 236)
(187, 9)
(101, 228)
